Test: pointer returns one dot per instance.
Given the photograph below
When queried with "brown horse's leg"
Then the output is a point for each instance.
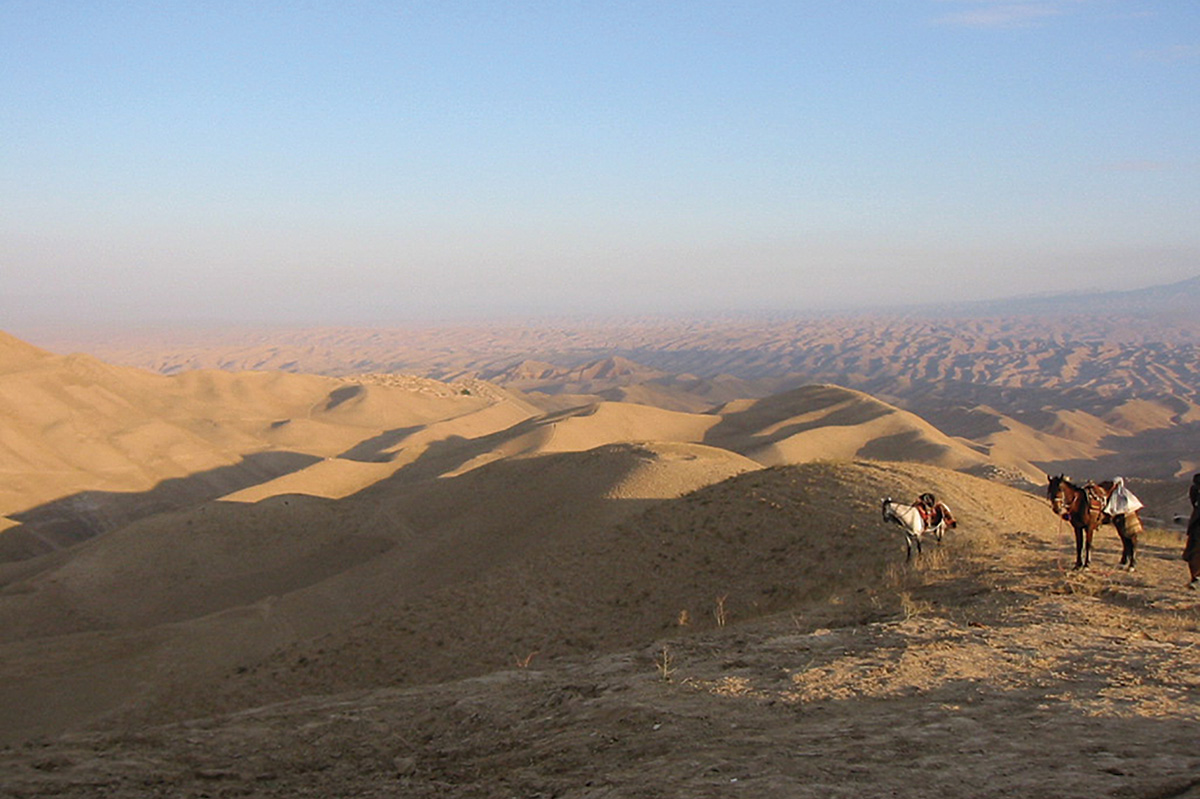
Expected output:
(1132, 528)
(1078, 547)
(1119, 523)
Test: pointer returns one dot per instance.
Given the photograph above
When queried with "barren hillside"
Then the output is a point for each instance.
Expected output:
(87, 447)
(762, 634)
(449, 591)
(1129, 378)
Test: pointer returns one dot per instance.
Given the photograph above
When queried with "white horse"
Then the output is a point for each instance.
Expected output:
(910, 520)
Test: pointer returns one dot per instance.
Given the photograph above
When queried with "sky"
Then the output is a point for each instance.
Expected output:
(376, 163)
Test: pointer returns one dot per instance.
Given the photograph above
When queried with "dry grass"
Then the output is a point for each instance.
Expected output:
(664, 662)
(720, 612)
(1156, 536)
(910, 607)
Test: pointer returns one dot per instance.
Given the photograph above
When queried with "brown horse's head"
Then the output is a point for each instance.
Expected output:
(1056, 493)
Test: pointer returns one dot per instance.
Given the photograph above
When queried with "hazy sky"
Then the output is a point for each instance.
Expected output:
(376, 162)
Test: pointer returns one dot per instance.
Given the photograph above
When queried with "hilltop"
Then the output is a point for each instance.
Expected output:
(812, 661)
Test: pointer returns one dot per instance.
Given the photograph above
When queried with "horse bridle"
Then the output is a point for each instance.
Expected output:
(1057, 503)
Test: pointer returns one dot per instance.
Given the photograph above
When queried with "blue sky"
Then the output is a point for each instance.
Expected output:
(317, 162)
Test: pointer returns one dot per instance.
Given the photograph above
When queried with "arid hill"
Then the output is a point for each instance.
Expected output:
(450, 590)
(1095, 385)
(823, 421)
(759, 634)
(89, 447)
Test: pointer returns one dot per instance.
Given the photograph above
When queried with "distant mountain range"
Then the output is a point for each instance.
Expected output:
(1182, 297)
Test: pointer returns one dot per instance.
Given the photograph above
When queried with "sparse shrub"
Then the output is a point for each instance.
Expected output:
(910, 607)
(933, 560)
(896, 576)
(719, 612)
(665, 663)
(685, 618)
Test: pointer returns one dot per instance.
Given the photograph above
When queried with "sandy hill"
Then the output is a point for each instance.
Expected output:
(388, 584)
(1134, 372)
(212, 608)
(90, 447)
(658, 396)
(587, 378)
(810, 423)
(16, 354)
(201, 592)
(600, 423)
(756, 634)
(822, 421)
(87, 447)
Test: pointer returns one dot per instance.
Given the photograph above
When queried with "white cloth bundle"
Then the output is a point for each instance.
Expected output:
(1121, 500)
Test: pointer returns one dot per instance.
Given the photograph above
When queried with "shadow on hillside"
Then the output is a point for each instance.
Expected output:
(374, 449)
(910, 445)
(340, 395)
(525, 555)
(731, 431)
(82, 516)
(1154, 454)
(453, 452)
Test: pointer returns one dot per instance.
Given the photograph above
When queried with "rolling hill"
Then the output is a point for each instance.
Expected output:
(88, 447)
(1106, 373)
(399, 584)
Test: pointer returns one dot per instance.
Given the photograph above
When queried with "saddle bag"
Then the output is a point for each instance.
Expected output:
(1128, 524)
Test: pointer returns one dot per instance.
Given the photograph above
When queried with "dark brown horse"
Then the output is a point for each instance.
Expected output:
(1083, 507)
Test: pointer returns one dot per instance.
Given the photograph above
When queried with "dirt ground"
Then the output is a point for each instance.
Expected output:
(985, 669)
